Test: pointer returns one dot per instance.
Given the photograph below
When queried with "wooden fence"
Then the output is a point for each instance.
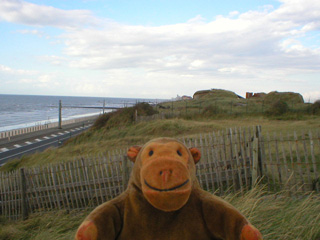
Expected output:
(291, 162)
(231, 160)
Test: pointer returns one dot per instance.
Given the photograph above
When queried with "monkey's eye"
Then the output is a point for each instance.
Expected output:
(179, 153)
(151, 153)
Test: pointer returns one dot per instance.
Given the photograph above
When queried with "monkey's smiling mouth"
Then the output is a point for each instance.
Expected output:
(166, 189)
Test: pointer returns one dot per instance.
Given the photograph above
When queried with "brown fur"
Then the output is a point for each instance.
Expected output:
(164, 201)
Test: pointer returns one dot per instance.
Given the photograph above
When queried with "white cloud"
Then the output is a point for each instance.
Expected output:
(7, 70)
(25, 76)
(235, 69)
(196, 64)
(300, 12)
(54, 60)
(241, 50)
(25, 31)
(233, 13)
(252, 39)
(23, 12)
(34, 32)
(311, 96)
(45, 78)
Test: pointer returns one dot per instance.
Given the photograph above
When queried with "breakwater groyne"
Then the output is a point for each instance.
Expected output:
(21, 131)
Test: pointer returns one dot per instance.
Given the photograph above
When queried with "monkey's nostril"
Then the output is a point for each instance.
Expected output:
(166, 172)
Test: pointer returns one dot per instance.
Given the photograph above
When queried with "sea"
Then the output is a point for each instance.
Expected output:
(20, 111)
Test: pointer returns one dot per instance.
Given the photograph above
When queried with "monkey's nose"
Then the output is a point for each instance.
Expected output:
(165, 174)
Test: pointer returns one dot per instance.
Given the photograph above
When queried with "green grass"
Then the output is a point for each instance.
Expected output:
(277, 216)
(229, 103)
(99, 141)
(50, 226)
(216, 111)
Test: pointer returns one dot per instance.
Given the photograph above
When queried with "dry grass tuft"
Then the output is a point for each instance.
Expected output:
(279, 216)
(276, 215)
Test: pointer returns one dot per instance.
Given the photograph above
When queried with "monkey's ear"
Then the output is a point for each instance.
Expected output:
(133, 153)
(196, 154)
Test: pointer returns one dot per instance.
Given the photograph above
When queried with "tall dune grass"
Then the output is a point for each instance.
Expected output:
(277, 215)
(99, 141)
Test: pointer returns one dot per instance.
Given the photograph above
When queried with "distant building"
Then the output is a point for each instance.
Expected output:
(184, 97)
(255, 95)
(249, 95)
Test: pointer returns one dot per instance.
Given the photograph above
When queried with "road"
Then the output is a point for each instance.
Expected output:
(37, 142)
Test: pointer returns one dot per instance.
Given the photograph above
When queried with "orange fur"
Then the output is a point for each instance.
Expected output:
(164, 201)
(249, 232)
(87, 231)
(133, 152)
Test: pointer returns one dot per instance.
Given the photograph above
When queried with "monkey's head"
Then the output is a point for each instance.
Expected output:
(165, 172)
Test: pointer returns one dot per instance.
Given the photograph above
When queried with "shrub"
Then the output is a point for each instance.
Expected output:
(280, 107)
(123, 116)
(145, 109)
(211, 110)
(315, 107)
(101, 121)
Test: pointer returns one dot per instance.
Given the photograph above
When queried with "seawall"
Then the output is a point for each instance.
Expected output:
(21, 131)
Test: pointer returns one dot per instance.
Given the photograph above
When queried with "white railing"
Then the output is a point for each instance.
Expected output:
(20, 131)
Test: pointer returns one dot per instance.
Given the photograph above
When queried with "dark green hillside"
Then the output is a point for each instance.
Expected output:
(214, 110)
(218, 103)
(289, 97)
(215, 94)
(278, 215)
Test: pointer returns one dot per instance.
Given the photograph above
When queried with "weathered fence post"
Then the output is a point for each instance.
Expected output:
(260, 150)
(125, 172)
(136, 115)
(60, 115)
(257, 155)
(24, 204)
(254, 159)
(186, 108)
(262, 154)
(172, 109)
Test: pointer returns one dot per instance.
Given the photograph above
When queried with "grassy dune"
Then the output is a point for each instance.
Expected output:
(99, 141)
(278, 216)
(118, 130)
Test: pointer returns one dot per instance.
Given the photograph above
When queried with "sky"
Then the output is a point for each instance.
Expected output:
(159, 48)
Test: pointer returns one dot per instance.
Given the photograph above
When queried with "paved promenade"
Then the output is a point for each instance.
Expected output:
(19, 139)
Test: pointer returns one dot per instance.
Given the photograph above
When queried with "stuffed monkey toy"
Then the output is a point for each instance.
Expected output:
(164, 201)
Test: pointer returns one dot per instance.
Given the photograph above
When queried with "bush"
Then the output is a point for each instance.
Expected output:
(145, 109)
(315, 107)
(280, 107)
(101, 121)
(123, 116)
(211, 110)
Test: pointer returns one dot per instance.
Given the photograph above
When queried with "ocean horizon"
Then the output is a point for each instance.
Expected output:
(20, 111)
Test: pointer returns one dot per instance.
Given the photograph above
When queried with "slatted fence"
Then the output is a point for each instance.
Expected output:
(231, 160)
(291, 161)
